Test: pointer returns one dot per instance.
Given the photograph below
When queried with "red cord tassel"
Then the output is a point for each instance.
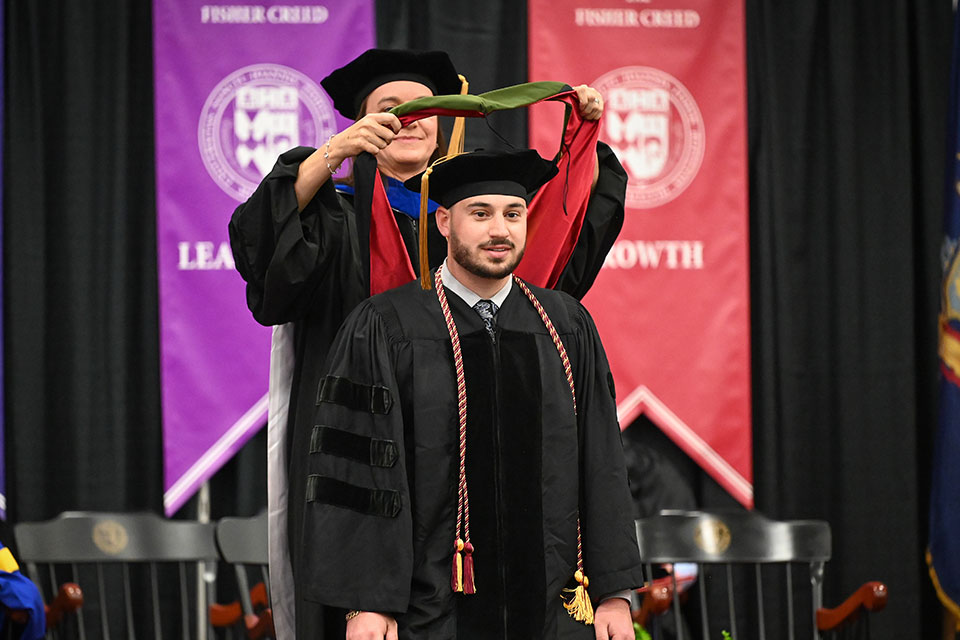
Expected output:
(469, 587)
(456, 573)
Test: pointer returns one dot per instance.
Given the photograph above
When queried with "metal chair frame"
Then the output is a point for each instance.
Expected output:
(77, 539)
(243, 544)
(726, 538)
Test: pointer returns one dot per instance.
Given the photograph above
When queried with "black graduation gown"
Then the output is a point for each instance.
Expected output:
(311, 268)
(382, 474)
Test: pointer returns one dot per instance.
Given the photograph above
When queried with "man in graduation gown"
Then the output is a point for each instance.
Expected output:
(306, 256)
(465, 468)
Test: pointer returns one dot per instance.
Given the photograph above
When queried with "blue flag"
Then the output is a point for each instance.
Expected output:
(943, 554)
(3, 473)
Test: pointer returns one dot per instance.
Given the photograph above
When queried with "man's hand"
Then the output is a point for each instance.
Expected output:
(591, 102)
(372, 626)
(612, 620)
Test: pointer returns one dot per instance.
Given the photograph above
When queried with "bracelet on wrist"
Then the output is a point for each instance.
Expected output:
(353, 613)
(326, 159)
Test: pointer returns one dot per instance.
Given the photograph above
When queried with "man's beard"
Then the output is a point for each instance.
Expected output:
(472, 263)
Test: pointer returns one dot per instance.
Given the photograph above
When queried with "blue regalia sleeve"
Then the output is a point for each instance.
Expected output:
(18, 593)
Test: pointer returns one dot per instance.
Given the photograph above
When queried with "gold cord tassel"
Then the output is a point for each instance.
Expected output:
(424, 250)
(455, 147)
(579, 606)
(456, 577)
(469, 586)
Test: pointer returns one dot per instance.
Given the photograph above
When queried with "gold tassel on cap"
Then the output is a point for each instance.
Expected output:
(455, 147)
(424, 250)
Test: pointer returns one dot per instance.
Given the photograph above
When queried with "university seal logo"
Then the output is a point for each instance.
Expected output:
(713, 536)
(255, 114)
(110, 536)
(654, 126)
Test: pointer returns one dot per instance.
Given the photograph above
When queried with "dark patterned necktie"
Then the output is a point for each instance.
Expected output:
(487, 310)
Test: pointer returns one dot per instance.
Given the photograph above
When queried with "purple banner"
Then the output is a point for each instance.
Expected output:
(236, 85)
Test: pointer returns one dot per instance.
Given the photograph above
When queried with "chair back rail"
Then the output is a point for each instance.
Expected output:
(243, 543)
(123, 551)
(730, 549)
(243, 540)
(702, 536)
(720, 541)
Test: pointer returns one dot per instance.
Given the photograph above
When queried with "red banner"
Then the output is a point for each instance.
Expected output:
(672, 300)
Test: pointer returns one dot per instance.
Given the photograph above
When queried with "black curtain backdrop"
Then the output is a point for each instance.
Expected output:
(847, 106)
(846, 125)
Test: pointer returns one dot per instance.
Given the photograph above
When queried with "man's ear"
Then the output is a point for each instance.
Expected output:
(443, 221)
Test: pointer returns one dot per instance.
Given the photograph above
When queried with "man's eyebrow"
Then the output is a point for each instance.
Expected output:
(511, 205)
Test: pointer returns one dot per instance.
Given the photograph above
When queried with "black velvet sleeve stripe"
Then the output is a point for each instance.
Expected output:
(343, 444)
(353, 395)
(611, 385)
(364, 173)
(373, 502)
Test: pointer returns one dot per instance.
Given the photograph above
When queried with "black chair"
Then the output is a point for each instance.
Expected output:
(740, 556)
(243, 544)
(149, 572)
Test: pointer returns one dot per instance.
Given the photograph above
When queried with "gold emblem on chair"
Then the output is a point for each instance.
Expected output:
(110, 536)
(713, 536)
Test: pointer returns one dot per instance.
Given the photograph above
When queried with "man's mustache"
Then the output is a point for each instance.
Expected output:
(498, 243)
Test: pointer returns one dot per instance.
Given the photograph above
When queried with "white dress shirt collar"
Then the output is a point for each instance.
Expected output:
(450, 283)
